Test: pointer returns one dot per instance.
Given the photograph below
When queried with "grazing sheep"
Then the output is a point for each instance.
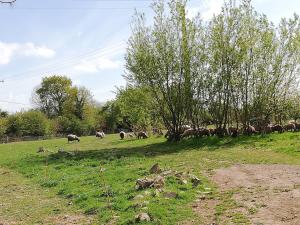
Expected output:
(142, 135)
(233, 131)
(297, 126)
(188, 133)
(277, 128)
(221, 132)
(122, 135)
(268, 129)
(250, 130)
(100, 134)
(290, 127)
(212, 131)
(157, 131)
(72, 138)
(203, 132)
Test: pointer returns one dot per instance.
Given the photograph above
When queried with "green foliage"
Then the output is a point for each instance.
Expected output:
(52, 94)
(234, 68)
(30, 123)
(136, 106)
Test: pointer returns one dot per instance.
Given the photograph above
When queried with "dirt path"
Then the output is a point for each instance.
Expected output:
(267, 194)
(21, 202)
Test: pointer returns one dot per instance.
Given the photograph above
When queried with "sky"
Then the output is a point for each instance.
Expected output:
(82, 39)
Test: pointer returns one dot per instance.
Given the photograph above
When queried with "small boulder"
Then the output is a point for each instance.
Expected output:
(158, 182)
(155, 169)
(142, 217)
(195, 181)
(143, 183)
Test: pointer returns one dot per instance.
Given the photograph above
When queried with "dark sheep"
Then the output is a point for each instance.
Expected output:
(72, 138)
(290, 127)
(142, 135)
(221, 132)
(212, 131)
(297, 126)
(233, 131)
(277, 128)
(250, 130)
(122, 135)
(203, 132)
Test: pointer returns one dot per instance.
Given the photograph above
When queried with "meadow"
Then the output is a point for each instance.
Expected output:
(96, 178)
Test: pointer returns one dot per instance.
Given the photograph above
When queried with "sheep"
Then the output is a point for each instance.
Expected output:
(122, 135)
(72, 138)
(142, 135)
(277, 128)
(188, 133)
(233, 131)
(212, 131)
(157, 131)
(290, 127)
(100, 134)
(268, 129)
(250, 130)
(221, 132)
(203, 132)
(297, 126)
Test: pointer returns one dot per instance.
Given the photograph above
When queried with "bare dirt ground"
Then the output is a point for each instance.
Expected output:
(265, 194)
(21, 202)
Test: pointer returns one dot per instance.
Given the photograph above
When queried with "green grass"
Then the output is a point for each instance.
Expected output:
(111, 193)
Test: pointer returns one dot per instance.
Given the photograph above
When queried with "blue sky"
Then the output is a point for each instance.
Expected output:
(83, 39)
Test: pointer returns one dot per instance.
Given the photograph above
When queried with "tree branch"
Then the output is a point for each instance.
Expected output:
(8, 2)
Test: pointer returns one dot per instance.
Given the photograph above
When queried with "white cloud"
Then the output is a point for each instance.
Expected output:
(207, 9)
(9, 50)
(96, 65)
(102, 59)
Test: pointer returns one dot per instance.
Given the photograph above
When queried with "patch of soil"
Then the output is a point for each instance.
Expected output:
(269, 193)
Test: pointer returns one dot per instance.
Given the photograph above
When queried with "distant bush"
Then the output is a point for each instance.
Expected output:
(30, 123)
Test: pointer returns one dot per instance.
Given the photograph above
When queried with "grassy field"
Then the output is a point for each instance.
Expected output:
(99, 178)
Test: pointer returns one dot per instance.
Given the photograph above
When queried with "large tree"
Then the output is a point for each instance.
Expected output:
(52, 94)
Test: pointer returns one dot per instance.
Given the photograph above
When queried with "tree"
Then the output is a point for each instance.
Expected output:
(158, 57)
(52, 94)
(137, 108)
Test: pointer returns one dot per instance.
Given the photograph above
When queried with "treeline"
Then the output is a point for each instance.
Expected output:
(234, 70)
(61, 108)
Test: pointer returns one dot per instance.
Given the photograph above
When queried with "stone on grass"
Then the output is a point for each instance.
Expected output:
(155, 169)
(143, 183)
(142, 217)
(195, 180)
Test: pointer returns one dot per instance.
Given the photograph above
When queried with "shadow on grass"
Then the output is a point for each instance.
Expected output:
(156, 149)
(147, 150)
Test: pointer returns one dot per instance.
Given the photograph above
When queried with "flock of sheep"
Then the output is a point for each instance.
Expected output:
(187, 131)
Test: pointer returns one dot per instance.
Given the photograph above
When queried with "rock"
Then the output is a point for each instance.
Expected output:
(155, 169)
(142, 217)
(195, 180)
(63, 152)
(159, 182)
(170, 195)
(143, 183)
